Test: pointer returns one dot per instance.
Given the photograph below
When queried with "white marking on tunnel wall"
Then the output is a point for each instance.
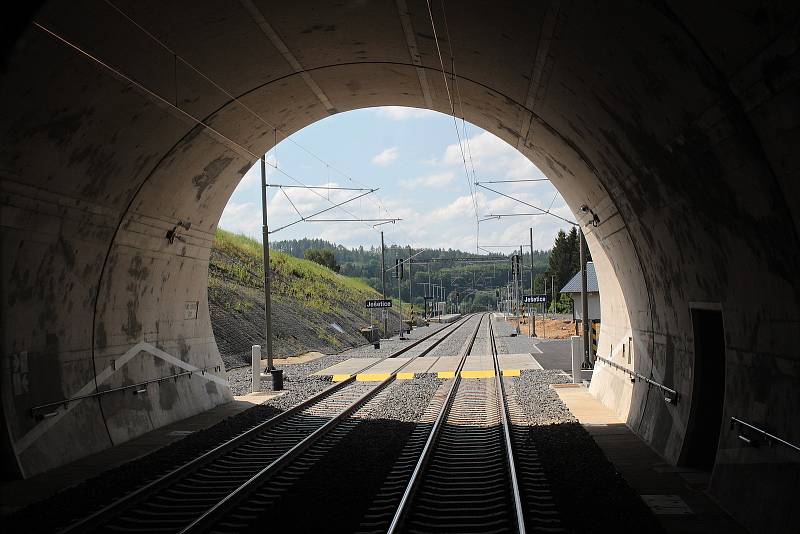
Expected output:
(36, 432)
(276, 41)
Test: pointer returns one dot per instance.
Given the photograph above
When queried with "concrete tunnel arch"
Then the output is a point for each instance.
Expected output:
(676, 124)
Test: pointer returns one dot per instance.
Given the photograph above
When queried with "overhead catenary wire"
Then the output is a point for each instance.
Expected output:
(452, 108)
(544, 211)
(289, 186)
(320, 212)
(514, 181)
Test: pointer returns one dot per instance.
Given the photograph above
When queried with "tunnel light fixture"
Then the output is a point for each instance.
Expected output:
(595, 222)
(174, 233)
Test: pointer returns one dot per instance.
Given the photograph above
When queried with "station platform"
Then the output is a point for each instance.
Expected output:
(382, 371)
(445, 366)
(17, 494)
(476, 366)
(420, 366)
(675, 495)
(344, 370)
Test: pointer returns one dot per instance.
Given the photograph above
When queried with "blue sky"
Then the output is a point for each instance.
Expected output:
(413, 156)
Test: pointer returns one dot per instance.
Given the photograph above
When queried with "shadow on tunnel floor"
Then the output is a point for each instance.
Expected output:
(590, 494)
(76, 502)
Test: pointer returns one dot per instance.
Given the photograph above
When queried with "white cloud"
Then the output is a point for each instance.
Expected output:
(401, 113)
(386, 157)
(492, 158)
(460, 208)
(435, 181)
(242, 218)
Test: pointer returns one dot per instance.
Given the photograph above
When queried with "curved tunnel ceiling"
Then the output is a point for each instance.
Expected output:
(675, 122)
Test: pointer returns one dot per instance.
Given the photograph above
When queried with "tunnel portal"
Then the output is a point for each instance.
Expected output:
(675, 123)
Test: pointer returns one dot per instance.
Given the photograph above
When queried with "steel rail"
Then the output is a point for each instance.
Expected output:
(505, 423)
(416, 476)
(131, 499)
(232, 499)
(215, 513)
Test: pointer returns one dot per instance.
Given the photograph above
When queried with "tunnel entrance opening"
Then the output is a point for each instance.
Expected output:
(708, 393)
(674, 123)
(435, 210)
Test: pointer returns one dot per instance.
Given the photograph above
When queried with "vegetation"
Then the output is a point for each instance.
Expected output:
(475, 282)
(323, 257)
(564, 263)
(240, 260)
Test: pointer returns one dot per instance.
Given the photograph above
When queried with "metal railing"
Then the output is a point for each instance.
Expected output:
(670, 395)
(770, 438)
(139, 387)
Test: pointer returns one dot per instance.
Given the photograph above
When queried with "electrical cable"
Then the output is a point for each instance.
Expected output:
(237, 147)
(452, 107)
(233, 97)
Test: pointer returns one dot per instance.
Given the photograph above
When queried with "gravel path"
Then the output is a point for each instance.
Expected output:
(590, 494)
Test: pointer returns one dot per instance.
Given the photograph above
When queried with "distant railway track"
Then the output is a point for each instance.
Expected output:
(202, 492)
(465, 479)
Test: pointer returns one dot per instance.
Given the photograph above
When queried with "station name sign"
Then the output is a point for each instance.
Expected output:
(535, 299)
(380, 303)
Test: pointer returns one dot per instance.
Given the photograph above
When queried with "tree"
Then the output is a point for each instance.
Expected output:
(324, 257)
(565, 257)
(561, 259)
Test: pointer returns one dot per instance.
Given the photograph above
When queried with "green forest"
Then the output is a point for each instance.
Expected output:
(474, 279)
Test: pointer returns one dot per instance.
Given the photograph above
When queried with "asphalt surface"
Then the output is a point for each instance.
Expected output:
(550, 353)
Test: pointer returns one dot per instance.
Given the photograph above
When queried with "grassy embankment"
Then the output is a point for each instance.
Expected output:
(310, 303)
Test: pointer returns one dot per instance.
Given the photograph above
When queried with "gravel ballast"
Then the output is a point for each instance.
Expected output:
(590, 494)
(352, 464)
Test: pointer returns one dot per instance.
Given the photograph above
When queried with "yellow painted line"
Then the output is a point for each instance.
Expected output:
(488, 373)
(340, 378)
(405, 376)
(371, 377)
(446, 374)
(510, 372)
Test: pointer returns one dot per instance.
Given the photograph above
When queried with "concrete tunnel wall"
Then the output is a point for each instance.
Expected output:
(674, 122)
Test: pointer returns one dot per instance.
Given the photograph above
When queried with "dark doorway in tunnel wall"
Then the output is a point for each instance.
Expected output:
(708, 391)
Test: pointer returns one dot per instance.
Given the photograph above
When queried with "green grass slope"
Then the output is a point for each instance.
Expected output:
(313, 308)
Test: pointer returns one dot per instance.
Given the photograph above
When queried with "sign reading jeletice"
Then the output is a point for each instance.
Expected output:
(379, 303)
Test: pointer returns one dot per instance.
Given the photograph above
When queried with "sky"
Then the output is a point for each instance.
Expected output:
(414, 158)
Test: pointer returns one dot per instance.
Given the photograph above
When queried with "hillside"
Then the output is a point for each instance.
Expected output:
(474, 281)
(313, 308)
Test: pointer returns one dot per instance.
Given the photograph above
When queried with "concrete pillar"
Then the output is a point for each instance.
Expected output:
(577, 358)
(256, 368)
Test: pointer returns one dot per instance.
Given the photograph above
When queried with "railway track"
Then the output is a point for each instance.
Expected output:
(201, 493)
(465, 479)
